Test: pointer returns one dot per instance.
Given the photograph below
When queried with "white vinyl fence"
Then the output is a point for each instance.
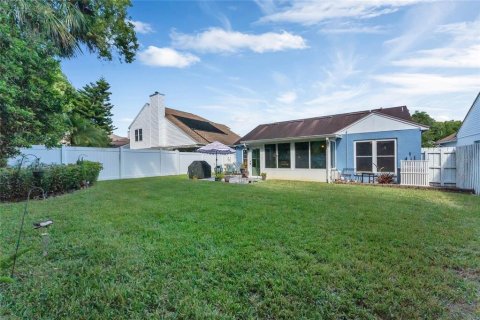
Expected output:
(414, 173)
(121, 163)
(468, 167)
(442, 165)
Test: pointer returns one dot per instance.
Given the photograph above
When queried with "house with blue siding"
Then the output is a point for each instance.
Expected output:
(469, 132)
(323, 148)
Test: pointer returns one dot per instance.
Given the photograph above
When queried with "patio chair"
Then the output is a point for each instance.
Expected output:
(230, 168)
(348, 174)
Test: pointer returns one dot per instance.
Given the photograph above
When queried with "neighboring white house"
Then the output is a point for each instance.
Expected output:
(469, 132)
(157, 126)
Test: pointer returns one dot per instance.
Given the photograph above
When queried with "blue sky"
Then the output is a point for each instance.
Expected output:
(244, 63)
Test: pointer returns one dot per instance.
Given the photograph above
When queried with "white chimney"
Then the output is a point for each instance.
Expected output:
(157, 103)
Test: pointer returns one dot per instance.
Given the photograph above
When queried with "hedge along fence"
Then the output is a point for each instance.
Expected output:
(53, 179)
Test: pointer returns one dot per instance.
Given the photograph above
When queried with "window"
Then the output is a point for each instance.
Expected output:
(364, 156)
(386, 156)
(284, 155)
(270, 156)
(301, 155)
(375, 156)
(138, 135)
(333, 154)
(318, 154)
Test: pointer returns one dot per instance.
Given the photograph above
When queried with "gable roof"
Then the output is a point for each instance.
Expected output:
(118, 141)
(200, 129)
(320, 126)
(450, 138)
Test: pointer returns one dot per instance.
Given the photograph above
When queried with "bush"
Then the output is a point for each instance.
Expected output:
(53, 179)
(385, 178)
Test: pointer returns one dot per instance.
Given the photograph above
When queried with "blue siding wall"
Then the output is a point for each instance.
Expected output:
(409, 145)
(470, 130)
(239, 154)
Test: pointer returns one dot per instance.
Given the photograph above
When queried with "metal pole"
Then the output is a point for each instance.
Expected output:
(21, 226)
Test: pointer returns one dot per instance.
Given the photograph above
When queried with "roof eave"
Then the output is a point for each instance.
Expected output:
(290, 138)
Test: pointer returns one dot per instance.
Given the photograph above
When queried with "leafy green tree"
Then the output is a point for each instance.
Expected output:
(423, 118)
(35, 97)
(102, 26)
(438, 129)
(32, 95)
(94, 105)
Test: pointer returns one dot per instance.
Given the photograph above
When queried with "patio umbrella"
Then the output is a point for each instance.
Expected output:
(216, 148)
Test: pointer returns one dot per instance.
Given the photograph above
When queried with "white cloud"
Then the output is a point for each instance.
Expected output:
(461, 48)
(466, 30)
(166, 57)
(313, 12)
(354, 29)
(219, 40)
(339, 98)
(142, 27)
(427, 83)
(287, 97)
(468, 57)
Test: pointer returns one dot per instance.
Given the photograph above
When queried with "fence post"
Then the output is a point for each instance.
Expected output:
(63, 154)
(120, 162)
(177, 153)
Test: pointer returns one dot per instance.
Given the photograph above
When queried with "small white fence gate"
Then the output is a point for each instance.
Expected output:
(442, 165)
(414, 173)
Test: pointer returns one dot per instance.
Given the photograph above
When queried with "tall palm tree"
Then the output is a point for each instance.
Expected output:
(84, 133)
(59, 21)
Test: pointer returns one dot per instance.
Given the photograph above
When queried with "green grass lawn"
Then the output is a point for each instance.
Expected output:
(172, 248)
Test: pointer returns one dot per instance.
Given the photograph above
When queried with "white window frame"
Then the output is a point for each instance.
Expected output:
(374, 154)
(138, 135)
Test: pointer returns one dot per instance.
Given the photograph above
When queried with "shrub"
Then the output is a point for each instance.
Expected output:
(53, 179)
(385, 178)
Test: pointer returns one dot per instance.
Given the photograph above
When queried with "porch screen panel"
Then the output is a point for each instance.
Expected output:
(270, 156)
(284, 155)
(318, 155)
(301, 155)
(364, 156)
(386, 156)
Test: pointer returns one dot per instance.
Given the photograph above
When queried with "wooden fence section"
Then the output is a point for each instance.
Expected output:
(468, 167)
(442, 165)
(414, 173)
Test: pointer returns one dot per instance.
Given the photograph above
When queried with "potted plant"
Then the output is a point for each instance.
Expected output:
(219, 176)
(264, 176)
(227, 178)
